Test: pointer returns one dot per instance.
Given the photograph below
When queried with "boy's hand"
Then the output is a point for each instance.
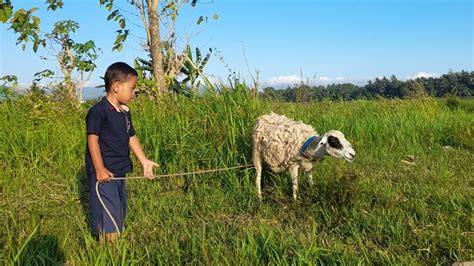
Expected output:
(104, 175)
(148, 168)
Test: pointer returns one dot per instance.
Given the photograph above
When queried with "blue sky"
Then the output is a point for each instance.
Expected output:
(330, 41)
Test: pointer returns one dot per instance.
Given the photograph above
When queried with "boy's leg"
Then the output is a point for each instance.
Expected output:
(123, 199)
(113, 237)
(100, 220)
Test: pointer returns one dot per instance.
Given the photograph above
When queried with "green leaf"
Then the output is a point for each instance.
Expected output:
(5, 12)
(118, 47)
(36, 21)
(89, 45)
(118, 38)
(54, 4)
(113, 14)
(198, 56)
(189, 53)
(204, 62)
(109, 6)
(215, 16)
(11, 78)
(200, 20)
(35, 46)
(3, 16)
(47, 73)
(122, 23)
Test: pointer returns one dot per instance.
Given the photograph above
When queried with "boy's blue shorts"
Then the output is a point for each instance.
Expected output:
(114, 196)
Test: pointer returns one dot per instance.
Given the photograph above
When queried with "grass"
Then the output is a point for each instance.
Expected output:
(377, 210)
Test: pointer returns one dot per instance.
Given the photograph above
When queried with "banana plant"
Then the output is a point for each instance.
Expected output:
(193, 68)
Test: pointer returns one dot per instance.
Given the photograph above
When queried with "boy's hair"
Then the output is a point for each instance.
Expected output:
(120, 72)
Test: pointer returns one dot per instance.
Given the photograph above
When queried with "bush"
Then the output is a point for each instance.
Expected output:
(453, 102)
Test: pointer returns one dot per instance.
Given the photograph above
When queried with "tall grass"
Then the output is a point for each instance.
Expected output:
(376, 210)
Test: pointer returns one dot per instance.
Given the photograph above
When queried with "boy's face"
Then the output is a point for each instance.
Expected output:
(126, 90)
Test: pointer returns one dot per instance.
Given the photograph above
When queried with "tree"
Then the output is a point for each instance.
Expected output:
(72, 57)
(302, 93)
(24, 23)
(166, 61)
(413, 89)
(269, 93)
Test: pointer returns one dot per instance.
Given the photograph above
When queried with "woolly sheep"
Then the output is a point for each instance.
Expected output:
(283, 144)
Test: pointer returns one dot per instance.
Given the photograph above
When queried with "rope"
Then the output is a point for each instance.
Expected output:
(185, 174)
(158, 176)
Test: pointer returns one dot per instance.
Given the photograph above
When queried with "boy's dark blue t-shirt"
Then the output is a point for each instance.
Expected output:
(114, 129)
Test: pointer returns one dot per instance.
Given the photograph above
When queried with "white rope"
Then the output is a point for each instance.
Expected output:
(105, 208)
(158, 176)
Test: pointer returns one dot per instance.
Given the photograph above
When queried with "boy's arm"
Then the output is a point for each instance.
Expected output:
(102, 174)
(138, 151)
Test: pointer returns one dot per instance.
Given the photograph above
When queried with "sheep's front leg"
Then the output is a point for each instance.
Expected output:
(258, 181)
(257, 163)
(310, 177)
(294, 180)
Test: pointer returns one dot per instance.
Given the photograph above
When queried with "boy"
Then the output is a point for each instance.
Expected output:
(110, 135)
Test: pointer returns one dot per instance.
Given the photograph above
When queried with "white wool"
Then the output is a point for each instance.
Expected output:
(277, 139)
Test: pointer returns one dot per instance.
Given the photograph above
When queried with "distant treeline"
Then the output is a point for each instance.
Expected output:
(451, 84)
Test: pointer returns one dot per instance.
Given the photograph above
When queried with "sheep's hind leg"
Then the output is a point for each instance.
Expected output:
(294, 180)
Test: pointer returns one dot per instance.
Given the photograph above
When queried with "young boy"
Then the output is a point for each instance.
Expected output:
(110, 135)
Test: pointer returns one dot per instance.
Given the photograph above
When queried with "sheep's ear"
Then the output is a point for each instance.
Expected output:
(322, 142)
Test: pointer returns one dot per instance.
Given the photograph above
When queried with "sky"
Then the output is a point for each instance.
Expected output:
(332, 41)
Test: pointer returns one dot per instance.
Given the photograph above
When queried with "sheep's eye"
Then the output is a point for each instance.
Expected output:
(334, 142)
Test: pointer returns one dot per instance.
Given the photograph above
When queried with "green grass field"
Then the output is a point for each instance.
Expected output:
(376, 210)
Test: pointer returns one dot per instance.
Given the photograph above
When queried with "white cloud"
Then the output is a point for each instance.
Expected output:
(283, 80)
(291, 80)
(424, 75)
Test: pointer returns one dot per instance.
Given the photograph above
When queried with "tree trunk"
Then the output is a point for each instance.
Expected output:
(71, 89)
(155, 46)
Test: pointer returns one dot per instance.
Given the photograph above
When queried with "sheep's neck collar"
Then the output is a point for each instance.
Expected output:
(306, 144)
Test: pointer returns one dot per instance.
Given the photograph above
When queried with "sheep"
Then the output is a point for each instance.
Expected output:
(283, 144)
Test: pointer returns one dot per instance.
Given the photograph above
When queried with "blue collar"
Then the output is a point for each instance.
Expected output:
(307, 143)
